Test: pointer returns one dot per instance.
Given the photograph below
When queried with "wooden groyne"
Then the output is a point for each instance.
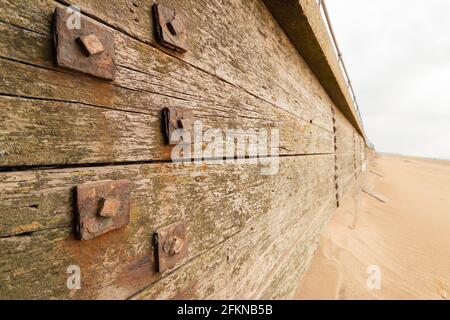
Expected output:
(74, 127)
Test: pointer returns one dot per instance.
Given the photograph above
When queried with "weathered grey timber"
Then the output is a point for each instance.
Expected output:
(251, 236)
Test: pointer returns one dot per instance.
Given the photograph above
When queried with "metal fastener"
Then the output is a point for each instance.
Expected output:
(176, 119)
(91, 44)
(171, 246)
(89, 49)
(102, 206)
(170, 28)
(184, 123)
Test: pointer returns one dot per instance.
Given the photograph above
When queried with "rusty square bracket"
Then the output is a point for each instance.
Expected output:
(171, 245)
(102, 206)
(170, 28)
(177, 119)
(88, 49)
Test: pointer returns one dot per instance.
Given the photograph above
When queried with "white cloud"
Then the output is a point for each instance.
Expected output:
(398, 56)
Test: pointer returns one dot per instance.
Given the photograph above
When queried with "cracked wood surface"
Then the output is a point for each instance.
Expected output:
(251, 236)
(121, 121)
(38, 243)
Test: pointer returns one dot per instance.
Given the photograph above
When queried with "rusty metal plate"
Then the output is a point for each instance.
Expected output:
(89, 49)
(170, 28)
(102, 206)
(171, 246)
(177, 119)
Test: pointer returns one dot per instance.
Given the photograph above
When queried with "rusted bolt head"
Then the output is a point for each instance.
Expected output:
(175, 26)
(173, 246)
(171, 28)
(109, 207)
(91, 44)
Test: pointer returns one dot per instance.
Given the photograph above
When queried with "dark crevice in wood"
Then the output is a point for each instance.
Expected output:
(131, 89)
(32, 233)
(239, 88)
(142, 162)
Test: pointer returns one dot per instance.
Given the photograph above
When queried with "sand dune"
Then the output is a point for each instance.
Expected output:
(399, 223)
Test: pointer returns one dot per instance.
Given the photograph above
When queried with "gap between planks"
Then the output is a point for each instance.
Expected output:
(131, 163)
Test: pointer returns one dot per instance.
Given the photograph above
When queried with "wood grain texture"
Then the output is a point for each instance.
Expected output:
(38, 244)
(244, 46)
(103, 110)
(349, 156)
(251, 236)
(252, 265)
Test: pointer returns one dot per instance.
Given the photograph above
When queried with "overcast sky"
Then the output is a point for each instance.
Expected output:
(397, 53)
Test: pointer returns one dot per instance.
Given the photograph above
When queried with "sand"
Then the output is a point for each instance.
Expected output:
(399, 225)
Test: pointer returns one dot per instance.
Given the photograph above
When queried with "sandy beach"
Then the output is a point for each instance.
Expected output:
(399, 222)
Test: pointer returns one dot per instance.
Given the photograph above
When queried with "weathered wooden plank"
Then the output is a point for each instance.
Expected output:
(345, 163)
(348, 170)
(254, 55)
(345, 147)
(216, 104)
(37, 132)
(283, 283)
(346, 185)
(345, 181)
(345, 141)
(240, 267)
(303, 22)
(230, 198)
(44, 132)
(345, 128)
(26, 193)
(272, 69)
